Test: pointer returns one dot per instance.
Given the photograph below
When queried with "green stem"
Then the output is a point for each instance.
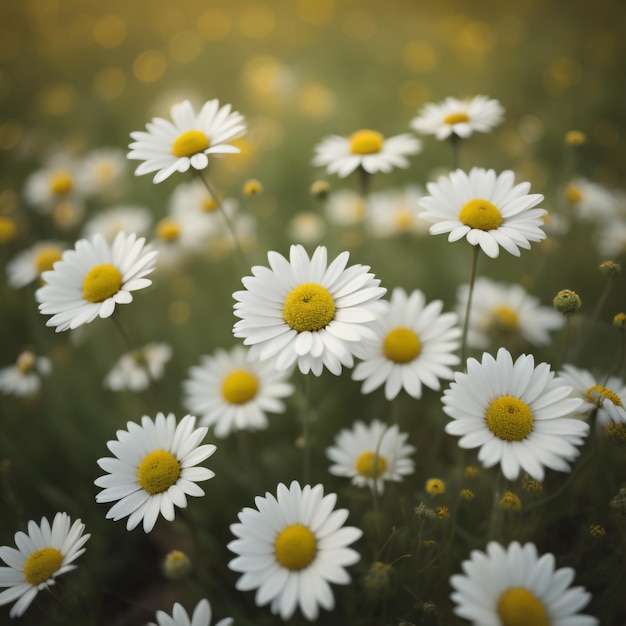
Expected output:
(455, 142)
(306, 436)
(468, 305)
(495, 523)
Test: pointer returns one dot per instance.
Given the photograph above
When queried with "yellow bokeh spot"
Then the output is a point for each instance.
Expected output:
(509, 418)
(11, 132)
(214, 25)
(401, 345)
(308, 307)
(366, 142)
(239, 387)
(413, 93)
(519, 607)
(109, 83)
(179, 312)
(101, 282)
(573, 194)
(295, 547)
(419, 56)
(110, 31)
(316, 100)
(149, 66)
(47, 257)
(158, 471)
(190, 142)
(57, 99)
(480, 214)
(8, 229)
(185, 46)
(316, 12)
(256, 21)
(358, 25)
(41, 565)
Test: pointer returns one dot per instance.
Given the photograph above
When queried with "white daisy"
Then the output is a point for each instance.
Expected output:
(175, 147)
(291, 547)
(414, 345)
(102, 172)
(56, 183)
(396, 212)
(611, 238)
(591, 202)
(486, 209)
(367, 149)
(110, 222)
(500, 309)
(153, 469)
(607, 396)
(230, 392)
(306, 227)
(91, 279)
(47, 551)
(23, 379)
(201, 616)
(135, 370)
(28, 265)
(518, 415)
(303, 311)
(345, 207)
(371, 454)
(514, 585)
(458, 117)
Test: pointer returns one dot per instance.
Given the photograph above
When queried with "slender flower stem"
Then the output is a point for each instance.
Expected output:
(468, 305)
(567, 333)
(495, 523)
(364, 179)
(595, 316)
(306, 436)
(455, 142)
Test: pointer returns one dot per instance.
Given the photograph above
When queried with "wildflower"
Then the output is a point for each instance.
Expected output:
(486, 209)
(615, 432)
(371, 454)
(591, 202)
(516, 413)
(575, 138)
(102, 172)
(510, 501)
(28, 265)
(471, 471)
(619, 321)
(443, 512)
(346, 208)
(567, 302)
(467, 494)
(55, 184)
(306, 227)
(610, 269)
(201, 616)
(435, 486)
(531, 485)
(134, 370)
(377, 578)
(176, 565)
(291, 547)
(523, 589)
(47, 551)
(186, 143)
(396, 212)
(110, 222)
(23, 379)
(252, 187)
(303, 310)
(595, 530)
(153, 469)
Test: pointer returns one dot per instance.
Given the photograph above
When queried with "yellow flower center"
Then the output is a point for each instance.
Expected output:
(240, 387)
(158, 472)
(401, 345)
(168, 230)
(480, 214)
(41, 565)
(65, 213)
(505, 317)
(7, 229)
(456, 118)
(509, 418)
(104, 172)
(25, 361)
(366, 142)
(209, 205)
(190, 142)
(308, 307)
(46, 258)
(404, 219)
(295, 547)
(101, 282)
(573, 194)
(597, 394)
(61, 183)
(371, 465)
(519, 607)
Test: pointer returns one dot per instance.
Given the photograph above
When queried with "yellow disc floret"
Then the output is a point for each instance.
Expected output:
(190, 142)
(401, 345)
(509, 418)
(239, 387)
(46, 258)
(573, 194)
(26, 361)
(308, 307)
(519, 607)
(456, 118)
(295, 547)
(101, 282)
(209, 204)
(371, 465)
(168, 230)
(41, 565)
(505, 317)
(8, 229)
(366, 142)
(61, 183)
(598, 394)
(158, 471)
(480, 214)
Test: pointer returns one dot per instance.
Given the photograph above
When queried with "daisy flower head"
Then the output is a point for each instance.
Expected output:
(42, 554)
(102, 172)
(458, 117)
(23, 378)
(488, 210)
(28, 265)
(110, 222)
(201, 616)
(306, 311)
(396, 212)
(370, 454)
(306, 227)
(57, 182)
(519, 415)
(135, 370)
(514, 585)
(414, 344)
(90, 280)
(230, 392)
(608, 398)
(506, 310)
(154, 469)
(291, 547)
(187, 140)
(591, 202)
(367, 149)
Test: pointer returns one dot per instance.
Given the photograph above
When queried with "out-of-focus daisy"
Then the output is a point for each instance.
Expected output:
(57, 182)
(396, 212)
(306, 227)
(414, 345)
(23, 379)
(135, 370)
(194, 197)
(110, 222)
(459, 117)
(371, 454)
(501, 310)
(42, 554)
(306, 311)
(488, 210)
(29, 264)
(230, 392)
(611, 238)
(291, 547)
(201, 616)
(8, 229)
(367, 149)
(92, 278)
(345, 208)
(607, 396)
(590, 201)
(154, 469)
(187, 141)
(518, 415)
(514, 585)
(102, 172)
